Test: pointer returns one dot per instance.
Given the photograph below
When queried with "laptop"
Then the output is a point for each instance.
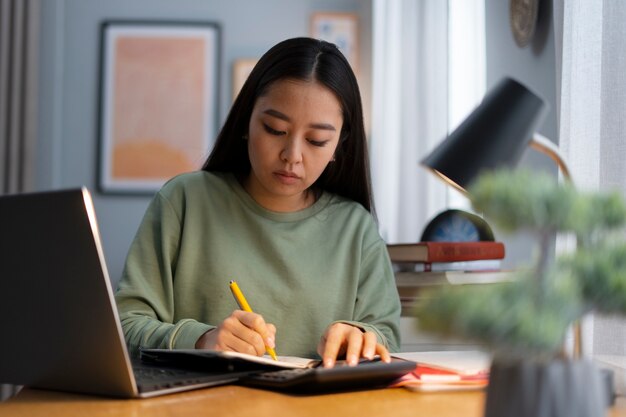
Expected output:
(59, 321)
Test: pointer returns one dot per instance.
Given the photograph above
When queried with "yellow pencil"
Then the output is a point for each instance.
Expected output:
(243, 304)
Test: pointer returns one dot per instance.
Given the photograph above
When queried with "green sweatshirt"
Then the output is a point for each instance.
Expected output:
(301, 271)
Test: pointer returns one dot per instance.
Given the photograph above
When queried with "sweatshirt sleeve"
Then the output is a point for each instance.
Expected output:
(377, 306)
(145, 298)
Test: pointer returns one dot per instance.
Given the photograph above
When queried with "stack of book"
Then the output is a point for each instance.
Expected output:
(437, 263)
(446, 371)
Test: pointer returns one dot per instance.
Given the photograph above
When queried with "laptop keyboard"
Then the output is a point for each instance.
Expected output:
(153, 379)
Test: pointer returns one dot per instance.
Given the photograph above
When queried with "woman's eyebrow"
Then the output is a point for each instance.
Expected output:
(282, 116)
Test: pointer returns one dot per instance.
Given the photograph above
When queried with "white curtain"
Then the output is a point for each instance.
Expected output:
(19, 38)
(19, 32)
(591, 60)
(410, 112)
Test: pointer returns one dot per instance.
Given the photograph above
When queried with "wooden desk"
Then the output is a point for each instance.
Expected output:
(236, 401)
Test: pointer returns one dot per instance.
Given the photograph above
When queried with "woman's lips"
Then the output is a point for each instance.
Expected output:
(287, 177)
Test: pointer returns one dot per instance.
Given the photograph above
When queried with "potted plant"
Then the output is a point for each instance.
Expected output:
(524, 322)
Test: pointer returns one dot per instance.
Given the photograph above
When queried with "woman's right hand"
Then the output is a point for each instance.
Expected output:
(240, 332)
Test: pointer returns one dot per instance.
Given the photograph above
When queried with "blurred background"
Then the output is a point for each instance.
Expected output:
(422, 67)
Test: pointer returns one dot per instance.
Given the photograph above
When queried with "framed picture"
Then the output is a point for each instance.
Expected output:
(158, 101)
(241, 70)
(340, 29)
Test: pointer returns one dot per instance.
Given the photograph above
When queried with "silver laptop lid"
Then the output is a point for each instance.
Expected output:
(59, 323)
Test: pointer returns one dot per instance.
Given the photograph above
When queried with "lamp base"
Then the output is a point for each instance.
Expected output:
(457, 226)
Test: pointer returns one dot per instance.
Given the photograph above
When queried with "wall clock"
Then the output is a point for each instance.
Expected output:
(523, 20)
(457, 226)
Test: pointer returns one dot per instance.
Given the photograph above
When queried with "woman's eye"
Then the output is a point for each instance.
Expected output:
(319, 143)
(271, 131)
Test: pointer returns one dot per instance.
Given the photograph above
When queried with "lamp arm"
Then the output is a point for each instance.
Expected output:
(544, 145)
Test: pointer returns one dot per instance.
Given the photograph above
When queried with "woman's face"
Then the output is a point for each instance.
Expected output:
(293, 133)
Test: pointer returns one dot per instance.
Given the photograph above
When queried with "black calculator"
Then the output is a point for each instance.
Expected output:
(366, 375)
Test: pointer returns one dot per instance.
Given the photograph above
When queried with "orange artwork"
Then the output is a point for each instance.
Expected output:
(158, 107)
(241, 69)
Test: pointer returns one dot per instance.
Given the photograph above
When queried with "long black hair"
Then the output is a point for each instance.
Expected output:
(303, 59)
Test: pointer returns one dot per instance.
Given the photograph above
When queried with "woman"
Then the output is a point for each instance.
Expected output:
(283, 206)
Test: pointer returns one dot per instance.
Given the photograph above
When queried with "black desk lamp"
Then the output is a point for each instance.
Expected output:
(495, 135)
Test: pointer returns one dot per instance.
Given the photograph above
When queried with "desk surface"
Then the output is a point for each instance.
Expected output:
(237, 401)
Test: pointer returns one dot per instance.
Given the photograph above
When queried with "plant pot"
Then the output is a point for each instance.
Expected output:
(558, 388)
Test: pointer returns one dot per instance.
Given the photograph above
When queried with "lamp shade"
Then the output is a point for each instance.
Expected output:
(494, 135)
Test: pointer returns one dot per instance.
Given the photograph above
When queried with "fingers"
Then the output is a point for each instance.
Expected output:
(370, 343)
(245, 332)
(381, 350)
(256, 323)
(342, 338)
(355, 346)
(332, 342)
(270, 335)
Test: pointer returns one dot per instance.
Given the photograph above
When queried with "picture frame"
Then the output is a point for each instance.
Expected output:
(241, 70)
(158, 104)
(342, 29)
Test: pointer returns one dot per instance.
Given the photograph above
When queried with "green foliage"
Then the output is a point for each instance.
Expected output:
(524, 200)
(503, 316)
(601, 275)
(595, 215)
(530, 316)
(527, 200)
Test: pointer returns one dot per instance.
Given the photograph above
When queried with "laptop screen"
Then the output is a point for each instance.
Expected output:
(57, 310)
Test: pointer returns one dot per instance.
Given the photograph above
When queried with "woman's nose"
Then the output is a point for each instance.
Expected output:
(291, 152)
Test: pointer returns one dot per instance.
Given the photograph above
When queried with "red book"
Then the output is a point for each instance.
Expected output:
(429, 373)
(445, 251)
(426, 378)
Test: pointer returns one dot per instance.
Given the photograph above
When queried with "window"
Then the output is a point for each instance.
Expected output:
(428, 74)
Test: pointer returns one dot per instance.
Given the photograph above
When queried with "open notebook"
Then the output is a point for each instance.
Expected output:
(229, 360)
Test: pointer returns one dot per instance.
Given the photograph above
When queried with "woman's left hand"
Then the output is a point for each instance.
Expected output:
(343, 339)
